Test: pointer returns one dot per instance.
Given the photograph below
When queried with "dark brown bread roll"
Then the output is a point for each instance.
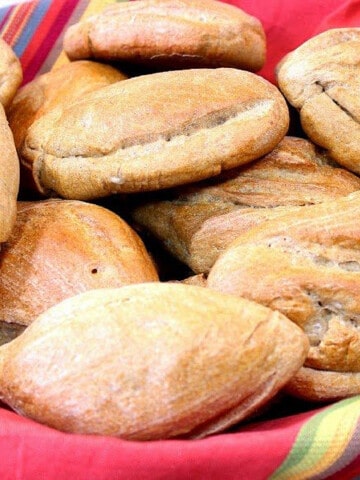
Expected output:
(149, 361)
(170, 34)
(321, 79)
(155, 131)
(59, 248)
(308, 267)
(198, 222)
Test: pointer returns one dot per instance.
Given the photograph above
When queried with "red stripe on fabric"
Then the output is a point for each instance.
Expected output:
(46, 35)
(17, 22)
(252, 453)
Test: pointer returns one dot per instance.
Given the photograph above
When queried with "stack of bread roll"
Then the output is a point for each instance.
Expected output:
(159, 130)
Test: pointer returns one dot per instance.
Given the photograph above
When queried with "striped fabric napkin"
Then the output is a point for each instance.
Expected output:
(319, 444)
(35, 29)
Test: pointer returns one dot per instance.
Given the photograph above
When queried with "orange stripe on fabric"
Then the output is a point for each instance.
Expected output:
(18, 18)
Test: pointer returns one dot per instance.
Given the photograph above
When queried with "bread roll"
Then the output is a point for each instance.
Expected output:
(199, 280)
(308, 267)
(168, 34)
(47, 91)
(60, 248)
(323, 386)
(9, 178)
(11, 74)
(60, 86)
(321, 79)
(197, 222)
(149, 361)
(155, 131)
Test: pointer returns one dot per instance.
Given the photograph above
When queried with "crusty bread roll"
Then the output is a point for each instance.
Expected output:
(59, 86)
(11, 74)
(197, 222)
(149, 361)
(9, 178)
(155, 131)
(59, 248)
(170, 34)
(321, 79)
(308, 267)
(315, 385)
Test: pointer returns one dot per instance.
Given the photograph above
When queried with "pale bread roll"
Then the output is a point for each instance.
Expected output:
(60, 86)
(149, 361)
(11, 74)
(308, 267)
(9, 178)
(155, 131)
(57, 87)
(168, 34)
(321, 79)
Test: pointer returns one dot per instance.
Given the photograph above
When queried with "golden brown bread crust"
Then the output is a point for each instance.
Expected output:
(323, 386)
(63, 248)
(308, 267)
(321, 79)
(155, 131)
(149, 361)
(9, 178)
(57, 87)
(170, 34)
(11, 74)
(197, 222)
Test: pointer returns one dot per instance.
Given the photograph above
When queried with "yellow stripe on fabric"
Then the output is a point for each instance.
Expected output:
(94, 7)
(321, 443)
